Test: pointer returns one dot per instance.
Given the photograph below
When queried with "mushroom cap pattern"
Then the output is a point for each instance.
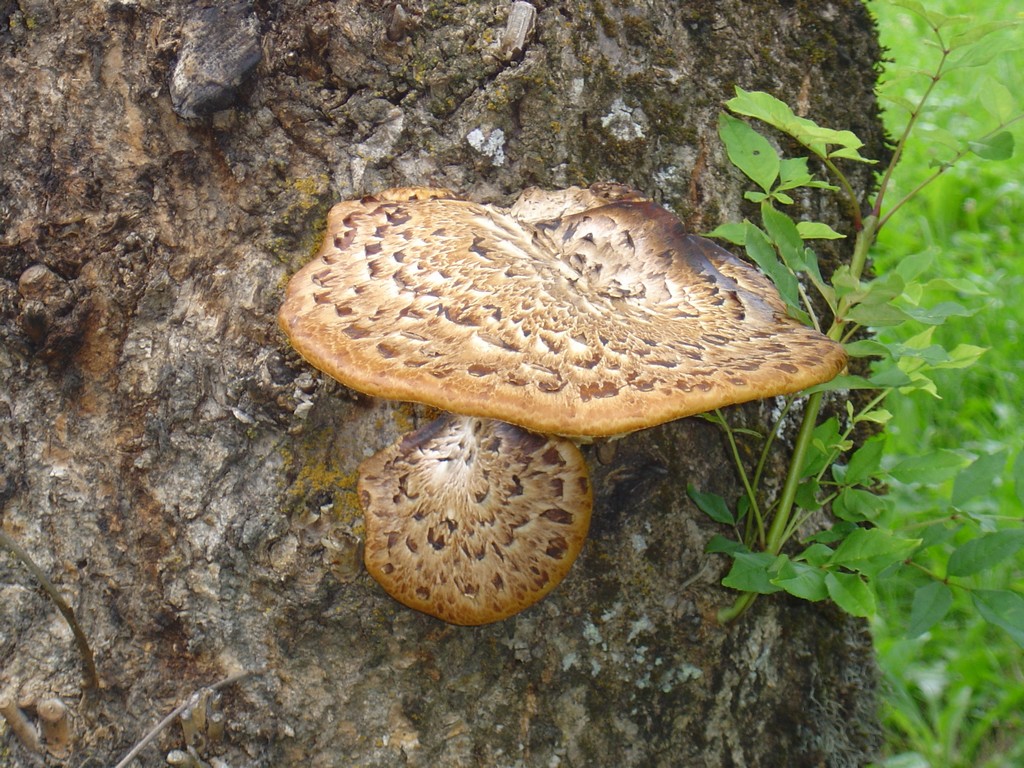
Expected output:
(580, 312)
(473, 520)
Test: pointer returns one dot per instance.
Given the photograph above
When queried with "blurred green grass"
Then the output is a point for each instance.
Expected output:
(954, 696)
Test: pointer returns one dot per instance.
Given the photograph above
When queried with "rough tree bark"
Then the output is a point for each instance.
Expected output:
(188, 482)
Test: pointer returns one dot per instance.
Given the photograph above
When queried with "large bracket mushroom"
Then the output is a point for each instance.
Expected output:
(577, 313)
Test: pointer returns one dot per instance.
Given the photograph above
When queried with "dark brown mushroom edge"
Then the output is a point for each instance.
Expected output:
(473, 520)
(579, 312)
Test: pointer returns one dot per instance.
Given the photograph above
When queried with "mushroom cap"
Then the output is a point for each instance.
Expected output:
(473, 520)
(603, 319)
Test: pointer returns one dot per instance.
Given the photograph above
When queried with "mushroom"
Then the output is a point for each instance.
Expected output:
(472, 520)
(579, 313)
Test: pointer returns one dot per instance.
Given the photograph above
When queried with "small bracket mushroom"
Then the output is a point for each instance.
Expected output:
(473, 520)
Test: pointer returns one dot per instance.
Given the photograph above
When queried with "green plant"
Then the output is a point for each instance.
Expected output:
(865, 548)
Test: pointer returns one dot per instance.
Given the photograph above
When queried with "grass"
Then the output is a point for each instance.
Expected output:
(954, 696)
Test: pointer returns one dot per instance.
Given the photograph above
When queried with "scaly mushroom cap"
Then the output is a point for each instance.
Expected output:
(605, 318)
(473, 520)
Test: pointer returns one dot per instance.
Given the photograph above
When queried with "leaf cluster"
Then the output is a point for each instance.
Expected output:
(863, 548)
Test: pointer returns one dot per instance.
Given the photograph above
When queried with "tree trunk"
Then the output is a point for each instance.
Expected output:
(189, 482)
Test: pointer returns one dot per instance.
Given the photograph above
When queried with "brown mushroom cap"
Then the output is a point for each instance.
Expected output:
(605, 318)
(473, 520)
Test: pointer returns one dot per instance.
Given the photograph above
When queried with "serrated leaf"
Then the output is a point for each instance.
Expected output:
(1003, 608)
(850, 593)
(985, 551)
(816, 230)
(996, 147)
(978, 478)
(749, 151)
(931, 603)
(712, 505)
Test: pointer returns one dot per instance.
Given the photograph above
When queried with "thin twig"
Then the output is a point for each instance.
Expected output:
(90, 678)
(19, 724)
(230, 679)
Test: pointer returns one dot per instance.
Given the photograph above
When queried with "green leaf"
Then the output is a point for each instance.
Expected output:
(938, 314)
(840, 384)
(930, 605)
(750, 572)
(858, 505)
(749, 151)
(978, 478)
(976, 32)
(712, 505)
(816, 554)
(980, 55)
(871, 550)
(803, 581)
(733, 232)
(997, 100)
(837, 532)
(824, 441)
(996, 147)
(1018, 477)
(1003, 608)
(722, 545)
(850, 593)
(865, 463)
(807, 495)
(768, 109)
(761, 251)
(930, 469)
(914, 265)
(963, 356)
(985, 551)
(816, 230)
(876, 315)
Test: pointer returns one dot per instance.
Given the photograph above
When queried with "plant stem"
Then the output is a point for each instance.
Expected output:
(755, 510)
(90, 678)
(736, 610)
(780, 519)
(861, 247)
